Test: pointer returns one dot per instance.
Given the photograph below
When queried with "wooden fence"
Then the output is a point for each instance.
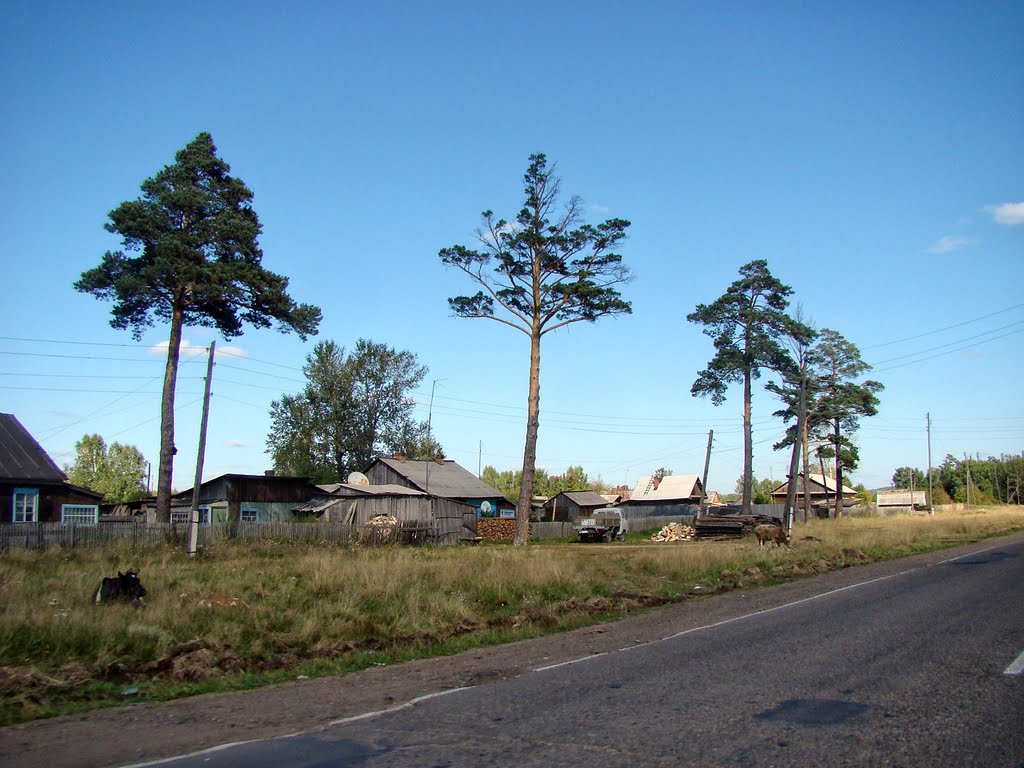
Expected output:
(138, 534)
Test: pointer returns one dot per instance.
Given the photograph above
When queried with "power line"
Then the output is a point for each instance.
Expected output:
(947, 328)
(950, 351)
(951, 343)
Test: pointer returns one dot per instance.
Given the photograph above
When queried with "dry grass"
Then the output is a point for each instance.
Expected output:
(329, 610)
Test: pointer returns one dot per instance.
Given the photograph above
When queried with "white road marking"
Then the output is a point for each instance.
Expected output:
(567, 663)
(398, 707)
(1016, 667)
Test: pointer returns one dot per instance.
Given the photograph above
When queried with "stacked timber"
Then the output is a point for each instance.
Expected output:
(729, 526)
(380, 529)
(496, 529)
(675, 532)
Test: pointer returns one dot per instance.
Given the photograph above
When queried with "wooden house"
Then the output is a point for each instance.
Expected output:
(570, 505)
(671, 495)
(244, 498)
(821, 488)
(33, 489)
(444, 479)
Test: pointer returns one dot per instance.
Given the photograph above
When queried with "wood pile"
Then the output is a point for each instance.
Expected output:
(729, 526)
(675, 532)
(496, 529)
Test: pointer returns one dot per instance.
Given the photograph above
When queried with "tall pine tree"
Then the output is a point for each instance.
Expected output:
(748, 323)
(198, 263)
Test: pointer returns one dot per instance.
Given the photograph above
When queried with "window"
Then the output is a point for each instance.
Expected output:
(26, 505)
(249, 514)
(79, 514)
(183, 515)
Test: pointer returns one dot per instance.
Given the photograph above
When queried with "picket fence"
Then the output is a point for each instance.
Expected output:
(138, 534)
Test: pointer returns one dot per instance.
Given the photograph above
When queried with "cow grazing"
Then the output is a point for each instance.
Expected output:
(773, 534)
(123, 588)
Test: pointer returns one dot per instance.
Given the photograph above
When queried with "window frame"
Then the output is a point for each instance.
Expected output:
(94, 520)
(242, 511)
(25, 494)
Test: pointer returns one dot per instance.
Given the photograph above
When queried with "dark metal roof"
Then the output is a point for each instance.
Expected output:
(22, 459)
(581, 499)
(448, 480)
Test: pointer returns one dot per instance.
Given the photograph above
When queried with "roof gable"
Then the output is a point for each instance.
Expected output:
(22, 459)
(581, 499)
(671, 488)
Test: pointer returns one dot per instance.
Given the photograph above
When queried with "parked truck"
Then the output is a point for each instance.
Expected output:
(601, 525)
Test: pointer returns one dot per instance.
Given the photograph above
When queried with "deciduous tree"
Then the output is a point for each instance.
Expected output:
(748, 323)
(198, 264)
(354, 408)
(539, 273)
(117, 471)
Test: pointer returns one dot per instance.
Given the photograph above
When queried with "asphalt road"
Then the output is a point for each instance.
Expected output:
(905, 670)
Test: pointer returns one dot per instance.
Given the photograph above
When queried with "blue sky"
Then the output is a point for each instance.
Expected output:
(872, 153)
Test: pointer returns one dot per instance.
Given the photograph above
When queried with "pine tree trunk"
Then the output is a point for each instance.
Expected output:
(839, 476)
(748, 446)
(166, 471)
(807, 469)
(522, 535)
(794, 462)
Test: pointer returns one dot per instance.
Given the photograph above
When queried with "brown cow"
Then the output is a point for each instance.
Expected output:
(773, 534)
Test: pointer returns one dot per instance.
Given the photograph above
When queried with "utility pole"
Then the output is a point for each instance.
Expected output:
(430, 416)
(967, 460)
(480, 459)
(704, 481)
(931, 508)
(193, 526)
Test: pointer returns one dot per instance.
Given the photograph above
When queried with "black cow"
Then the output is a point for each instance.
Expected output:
(125, 588)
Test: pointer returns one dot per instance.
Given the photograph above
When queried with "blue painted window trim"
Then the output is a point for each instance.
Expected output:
(26, 492)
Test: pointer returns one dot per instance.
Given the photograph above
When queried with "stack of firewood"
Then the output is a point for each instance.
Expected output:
(496, 529)
(675, 532)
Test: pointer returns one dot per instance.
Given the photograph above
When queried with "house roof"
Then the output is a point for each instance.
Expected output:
(269, 478)
(448, 479)
(671, 488)
(581, 498)
(819, 483)
(348, 489)
(22, 459)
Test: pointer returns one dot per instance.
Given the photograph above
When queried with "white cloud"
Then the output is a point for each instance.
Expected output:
(1010, 214)
(602, 210)
(235, 444)
(190, 350)
(948, 244)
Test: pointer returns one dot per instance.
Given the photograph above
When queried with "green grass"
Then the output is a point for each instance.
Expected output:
(331, 610)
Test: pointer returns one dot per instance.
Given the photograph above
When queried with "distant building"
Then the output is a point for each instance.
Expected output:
(570, 505)
(894, 500)
(822, 490)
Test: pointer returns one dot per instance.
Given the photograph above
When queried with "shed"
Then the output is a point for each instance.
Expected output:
(449, 520)
(569, 505)
(33, 489)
